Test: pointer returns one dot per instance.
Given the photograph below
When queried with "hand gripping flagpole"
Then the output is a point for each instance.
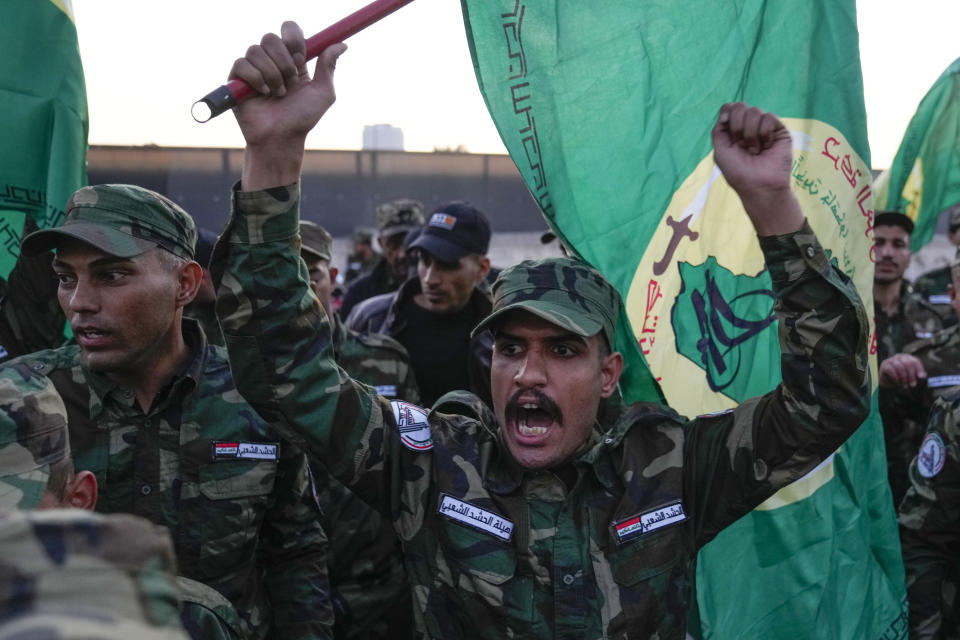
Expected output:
(236, 91)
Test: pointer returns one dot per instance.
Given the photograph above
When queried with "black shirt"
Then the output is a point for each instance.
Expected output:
(439, 348)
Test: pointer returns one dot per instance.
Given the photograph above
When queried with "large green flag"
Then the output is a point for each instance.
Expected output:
(43, 117)
(924, 178)
(606, 108)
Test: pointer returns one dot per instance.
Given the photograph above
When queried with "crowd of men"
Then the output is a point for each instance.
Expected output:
(219, 453)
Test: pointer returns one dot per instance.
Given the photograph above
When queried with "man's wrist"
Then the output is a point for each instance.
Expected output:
(272, 165)
(773, 212)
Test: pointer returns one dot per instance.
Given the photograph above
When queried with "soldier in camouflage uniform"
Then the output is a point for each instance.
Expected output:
(373, 358)
(534, 521)
(36, 472)
(370, 590)
(930, 526)
(72, 574)
(154, 414)
(909, 383)
(395, 219)
(933, 285)
(901, 314)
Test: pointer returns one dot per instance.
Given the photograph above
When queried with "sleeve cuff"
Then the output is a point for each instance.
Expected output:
(791, 255)
(270, 215)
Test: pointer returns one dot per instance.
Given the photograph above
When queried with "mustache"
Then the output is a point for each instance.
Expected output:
(544, 401)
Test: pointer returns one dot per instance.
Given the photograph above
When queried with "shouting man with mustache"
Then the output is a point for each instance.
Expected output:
(535, 519)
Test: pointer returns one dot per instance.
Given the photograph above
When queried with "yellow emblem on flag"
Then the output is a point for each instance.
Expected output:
(704, 270)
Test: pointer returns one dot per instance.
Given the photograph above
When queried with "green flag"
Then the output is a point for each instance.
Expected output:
(924, 178)
(43, 128)
(606, 108)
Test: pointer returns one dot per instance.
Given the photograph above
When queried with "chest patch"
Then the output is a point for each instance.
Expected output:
(386, 390)
(413, 426)
(649, 521)
(475, 517)
(932, 455)
(943, 381)
(939, 299)
(245, 451)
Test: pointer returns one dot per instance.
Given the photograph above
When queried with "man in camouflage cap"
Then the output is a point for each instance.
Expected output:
(36, 470)
(362, 257)
(369, 586)
(929, 520)
(934, 284)
(910, 381)
(901, 314)
(395, 219)
(74, 575)
(532, 519)
(154, 414)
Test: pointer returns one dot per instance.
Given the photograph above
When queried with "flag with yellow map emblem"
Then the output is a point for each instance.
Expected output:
(606, 108)
(924, 178)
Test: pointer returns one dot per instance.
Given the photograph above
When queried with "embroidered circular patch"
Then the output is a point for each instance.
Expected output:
(932, 455)
(413, 426)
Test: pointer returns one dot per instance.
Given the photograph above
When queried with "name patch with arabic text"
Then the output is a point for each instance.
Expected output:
(245, 451)
(650, 521)
(475, 517)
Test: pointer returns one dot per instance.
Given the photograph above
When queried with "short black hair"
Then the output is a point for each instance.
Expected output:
(893, 219)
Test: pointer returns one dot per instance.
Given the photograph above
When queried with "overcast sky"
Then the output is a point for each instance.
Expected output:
(147, 62)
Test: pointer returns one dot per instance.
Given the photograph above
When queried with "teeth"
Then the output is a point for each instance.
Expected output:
(530, 405)
(530, 431)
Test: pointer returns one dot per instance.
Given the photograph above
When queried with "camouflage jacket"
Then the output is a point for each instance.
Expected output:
(915, 319)
(67, 573)
(207, 317)
(496, 552)
(206, 614)
(930, 526)
(905, 411)
(376, 359)
(238, 502)
(933, 286)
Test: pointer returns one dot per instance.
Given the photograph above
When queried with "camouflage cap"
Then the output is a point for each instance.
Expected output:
(399, 216)
(33, 436)
(120, 219)
(69, 573)
(567, 292)
(315, 240)
(362, 235)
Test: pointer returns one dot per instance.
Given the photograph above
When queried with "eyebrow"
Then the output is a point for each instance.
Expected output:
(106, 261)
(566, 336)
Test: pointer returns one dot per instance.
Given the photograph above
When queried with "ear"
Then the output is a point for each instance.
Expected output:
(189, 277)
(333, 274)
(81, 491)
(484, 263)
(610, 369)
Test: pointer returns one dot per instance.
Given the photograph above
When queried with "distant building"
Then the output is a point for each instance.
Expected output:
(382, 137)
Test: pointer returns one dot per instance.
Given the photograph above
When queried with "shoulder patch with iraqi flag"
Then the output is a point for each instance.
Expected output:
(245, 450)
(413, 426)
(638, 525)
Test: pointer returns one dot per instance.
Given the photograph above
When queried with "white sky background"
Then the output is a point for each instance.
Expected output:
(146, 62)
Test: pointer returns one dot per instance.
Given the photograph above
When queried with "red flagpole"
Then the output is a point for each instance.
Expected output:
(235, 91)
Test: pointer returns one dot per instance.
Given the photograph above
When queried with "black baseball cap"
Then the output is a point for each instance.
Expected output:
(454, 230)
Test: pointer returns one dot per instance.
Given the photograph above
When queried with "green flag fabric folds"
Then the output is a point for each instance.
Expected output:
(43, 128)
(924, 178)
(606, 108)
